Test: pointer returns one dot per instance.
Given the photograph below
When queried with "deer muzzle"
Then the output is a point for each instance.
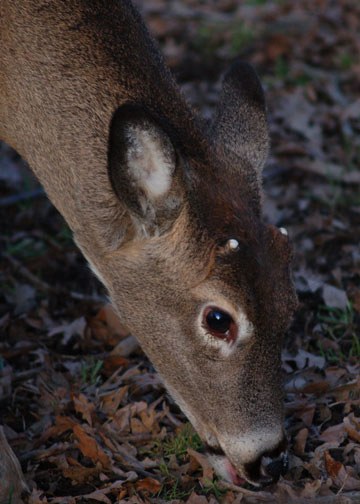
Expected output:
(266, 467)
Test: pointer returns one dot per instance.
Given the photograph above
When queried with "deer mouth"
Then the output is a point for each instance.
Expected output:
(233, 474)
(223, 467)
(256, 476)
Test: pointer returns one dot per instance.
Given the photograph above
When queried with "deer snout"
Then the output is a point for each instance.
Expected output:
(268, 467)
(257, 466)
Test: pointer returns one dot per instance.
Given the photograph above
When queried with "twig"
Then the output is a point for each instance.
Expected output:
(26, 273)
(44, 286)
(260, 496)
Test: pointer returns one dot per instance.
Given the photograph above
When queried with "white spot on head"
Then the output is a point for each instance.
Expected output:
(283, 231)
(232, 244)
(248, 447)
(150, 162)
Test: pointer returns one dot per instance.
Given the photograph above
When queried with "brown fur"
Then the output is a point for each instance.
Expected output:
(67, 68)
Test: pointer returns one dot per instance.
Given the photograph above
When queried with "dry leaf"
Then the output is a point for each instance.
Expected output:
(334, 433)
(84, 407)
(80, 474)
(197, 499)
(334, 297)
(208, 471)
(300, 441)
(150, 485)
(352, 427)
(89, 447)
(332, 466)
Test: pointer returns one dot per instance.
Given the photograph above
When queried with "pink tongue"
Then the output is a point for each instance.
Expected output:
(234, 475)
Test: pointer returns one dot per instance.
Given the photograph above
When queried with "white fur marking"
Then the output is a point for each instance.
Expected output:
(247, 447)
(148, 164)
(283, 231)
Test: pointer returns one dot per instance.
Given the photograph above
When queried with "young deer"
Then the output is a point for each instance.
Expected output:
(165, 207)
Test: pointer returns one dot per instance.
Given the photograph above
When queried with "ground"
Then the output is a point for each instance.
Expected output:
(91, 422)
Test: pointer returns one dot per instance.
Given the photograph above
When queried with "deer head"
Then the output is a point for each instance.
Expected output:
(200, 279)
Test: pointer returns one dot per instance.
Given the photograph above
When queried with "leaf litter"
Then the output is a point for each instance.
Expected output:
(82, 408)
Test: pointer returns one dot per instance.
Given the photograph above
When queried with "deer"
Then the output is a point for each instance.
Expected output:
(166, 207)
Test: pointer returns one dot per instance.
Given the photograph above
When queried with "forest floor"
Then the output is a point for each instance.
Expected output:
(90, 422)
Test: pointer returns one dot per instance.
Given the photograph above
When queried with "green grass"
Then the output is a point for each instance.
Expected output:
(178, 445)
(212, 488)
(346, 61)
(172, 490)
(241, 37)
(236, 36)
(90, 372)
(340, 327)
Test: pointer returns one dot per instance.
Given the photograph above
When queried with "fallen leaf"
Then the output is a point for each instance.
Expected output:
(84, 407)
(76, 327)
(89, 447)
(197, 499)
(208, 471)
(352, 427)
(80, 474)
(300, 441)
(97, 495)
(334, 433)
(150, 485)
(334, 297)
(110, 402)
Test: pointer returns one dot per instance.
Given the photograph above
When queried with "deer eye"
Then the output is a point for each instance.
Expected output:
(220, 324)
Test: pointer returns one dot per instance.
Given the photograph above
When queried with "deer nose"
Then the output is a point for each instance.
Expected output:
(273, 468)
(268, 467)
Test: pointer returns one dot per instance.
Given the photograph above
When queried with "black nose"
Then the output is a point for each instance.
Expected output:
(274, 468)
(269, 466)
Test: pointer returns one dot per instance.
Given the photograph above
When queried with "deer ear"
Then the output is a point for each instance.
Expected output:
(141, 161)
(240, 124)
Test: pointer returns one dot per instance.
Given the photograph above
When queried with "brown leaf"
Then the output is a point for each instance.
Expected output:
(97, 495)
(197, 499)
(208, 471)
(37, 497)
(352, 427)
(332, 466)
(150, 485)
(137, 426)
(300, 441)
(84, 407)
(107, 325)
(112, 363)
(62, 424)
(89, 447)
(344, 392)
(80, 474)
(335, 433)
(111, 402)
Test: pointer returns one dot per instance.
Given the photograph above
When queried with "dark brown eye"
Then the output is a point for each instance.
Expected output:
(219, 323)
